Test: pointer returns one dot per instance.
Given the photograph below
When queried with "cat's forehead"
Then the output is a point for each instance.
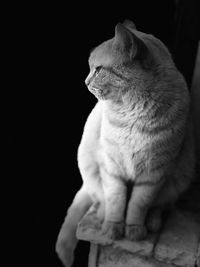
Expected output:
(102, 55)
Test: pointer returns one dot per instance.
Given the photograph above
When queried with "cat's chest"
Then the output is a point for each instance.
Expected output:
(120, 142)
(122, 130)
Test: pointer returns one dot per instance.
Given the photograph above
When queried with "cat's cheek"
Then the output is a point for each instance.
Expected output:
(106, 93)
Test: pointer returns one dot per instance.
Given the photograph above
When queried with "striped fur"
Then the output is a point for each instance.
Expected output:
(138, 135)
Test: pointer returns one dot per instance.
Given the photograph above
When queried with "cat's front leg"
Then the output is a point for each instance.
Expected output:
(115, 201)
(141, 199)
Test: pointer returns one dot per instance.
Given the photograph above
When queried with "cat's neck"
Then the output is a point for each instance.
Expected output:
(129, 103)
(125, 112)
(135, 106)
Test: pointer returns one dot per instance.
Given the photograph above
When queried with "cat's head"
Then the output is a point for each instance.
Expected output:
(115, 64)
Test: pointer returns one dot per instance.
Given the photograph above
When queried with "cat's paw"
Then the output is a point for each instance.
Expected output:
(113, 230)
(65, 253)
(135, 232)
(154, 221)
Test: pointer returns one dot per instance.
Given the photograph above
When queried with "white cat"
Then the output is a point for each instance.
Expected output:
(139, 134)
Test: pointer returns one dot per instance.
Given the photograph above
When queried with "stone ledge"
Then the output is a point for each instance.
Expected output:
(112, 257)
(89, 229)
(198, 256)
(177, 246)
(178, 242)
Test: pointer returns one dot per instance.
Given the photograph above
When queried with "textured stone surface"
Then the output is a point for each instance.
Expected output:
(179, 240)
(162, 264)
(108, 256)
(142, 248)
(176, 246)
(112, 257)
(198, 256)
(89, 229)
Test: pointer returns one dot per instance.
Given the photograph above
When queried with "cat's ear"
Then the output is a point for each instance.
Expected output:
(123, 38)
(129, 24)
(128, 42)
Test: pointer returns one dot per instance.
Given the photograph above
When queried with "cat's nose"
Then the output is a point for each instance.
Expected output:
(87, 80)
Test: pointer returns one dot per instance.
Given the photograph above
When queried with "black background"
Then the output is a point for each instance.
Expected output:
(47, 105)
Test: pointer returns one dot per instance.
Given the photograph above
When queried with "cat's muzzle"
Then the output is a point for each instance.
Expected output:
(98, 92)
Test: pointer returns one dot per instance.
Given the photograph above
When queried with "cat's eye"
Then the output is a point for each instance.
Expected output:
(97, 69)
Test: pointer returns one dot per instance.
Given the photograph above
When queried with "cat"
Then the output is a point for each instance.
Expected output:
(137, 138)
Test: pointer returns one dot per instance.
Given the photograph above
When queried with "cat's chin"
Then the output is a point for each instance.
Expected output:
(101, 97)
(98, 93)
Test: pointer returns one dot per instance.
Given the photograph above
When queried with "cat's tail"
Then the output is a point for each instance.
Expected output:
(67, 241)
